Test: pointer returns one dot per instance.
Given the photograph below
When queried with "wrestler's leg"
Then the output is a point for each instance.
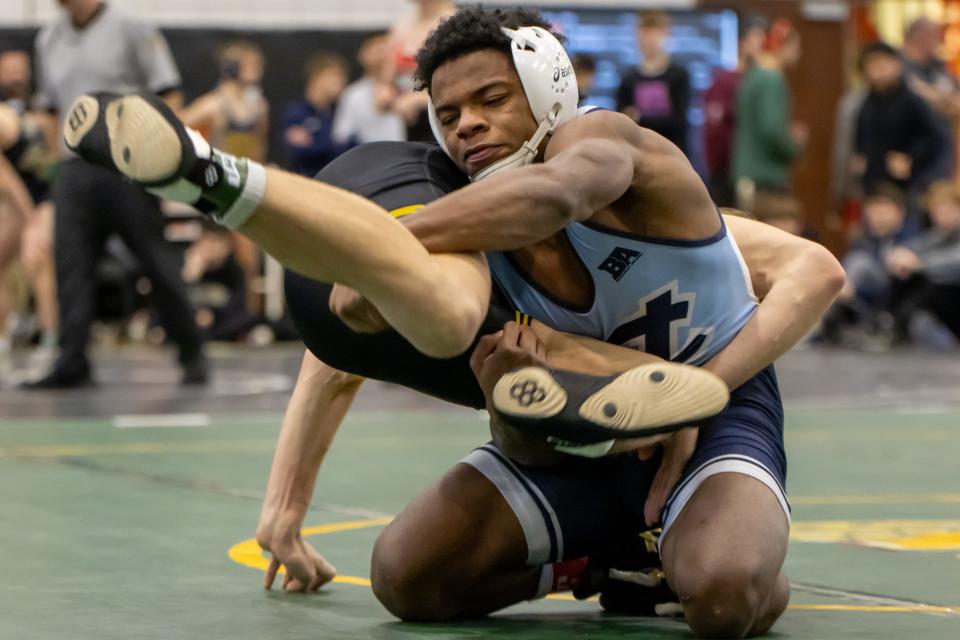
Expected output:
(457, 550)
(729, 590)
(727, 523)
(321, 231)
(437, 302)
(492, 533)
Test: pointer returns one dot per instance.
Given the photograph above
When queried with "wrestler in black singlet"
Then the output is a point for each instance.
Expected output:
(397, 176)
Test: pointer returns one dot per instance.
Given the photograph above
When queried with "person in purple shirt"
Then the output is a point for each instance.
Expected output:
(308, 123)
(656, 95)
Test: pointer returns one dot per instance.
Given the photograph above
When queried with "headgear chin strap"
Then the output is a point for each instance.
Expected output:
(550, 84)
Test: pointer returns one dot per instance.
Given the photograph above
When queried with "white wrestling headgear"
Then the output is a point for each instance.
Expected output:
(548, 80)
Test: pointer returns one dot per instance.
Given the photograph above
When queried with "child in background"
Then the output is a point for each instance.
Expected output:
(858, 315)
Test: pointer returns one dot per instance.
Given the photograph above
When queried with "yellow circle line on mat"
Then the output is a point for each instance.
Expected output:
(249, 554)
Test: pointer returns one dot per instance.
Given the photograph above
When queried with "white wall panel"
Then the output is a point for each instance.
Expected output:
(329, 14)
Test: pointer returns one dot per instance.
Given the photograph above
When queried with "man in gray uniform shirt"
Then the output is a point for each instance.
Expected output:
(95, 47)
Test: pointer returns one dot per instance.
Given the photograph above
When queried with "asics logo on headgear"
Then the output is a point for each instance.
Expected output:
(565, 72)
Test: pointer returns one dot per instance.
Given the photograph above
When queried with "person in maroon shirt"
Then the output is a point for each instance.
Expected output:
(720, 109)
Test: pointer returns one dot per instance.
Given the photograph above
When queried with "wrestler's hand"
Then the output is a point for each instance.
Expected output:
(356, 311)
(677, 451)
(306, 570)
(496, 354)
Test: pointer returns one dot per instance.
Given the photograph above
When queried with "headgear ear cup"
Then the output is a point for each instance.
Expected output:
(779, 32)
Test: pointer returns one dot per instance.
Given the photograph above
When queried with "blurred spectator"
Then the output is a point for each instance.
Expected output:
(926, 269)
(235, 117)
(867, 290)
(406, 38)
(657, 94)
(898, 138)
(219, 285)
(15, 78)
(16, 91)
(926, 73)
(585, 70)
(308, 124)
(780, 210)
(362, 114)
(720, 108)
(93, 46)
(25, 183)
(884, 212)
(928, 76)
(16, 206)
(845, 188)
(767, 142)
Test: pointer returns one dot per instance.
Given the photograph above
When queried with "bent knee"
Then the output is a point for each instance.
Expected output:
(455, 329)
(776, 605)
(409, 592)
(724, 602)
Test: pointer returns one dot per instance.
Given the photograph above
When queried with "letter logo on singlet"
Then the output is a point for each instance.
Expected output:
(662, 327)
(619, 262)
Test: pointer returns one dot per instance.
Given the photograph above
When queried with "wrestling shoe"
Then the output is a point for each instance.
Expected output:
(630, 579)
(580, 408)
(139, 137)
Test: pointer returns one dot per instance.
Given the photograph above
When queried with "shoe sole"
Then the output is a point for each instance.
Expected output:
(649, 398)
(144, 145)
(530, 392)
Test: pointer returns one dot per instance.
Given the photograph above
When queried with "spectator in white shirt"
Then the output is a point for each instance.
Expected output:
(362, 114)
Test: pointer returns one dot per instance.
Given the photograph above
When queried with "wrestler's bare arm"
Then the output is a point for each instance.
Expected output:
(796, 281)
(590, 162)
(316, 409)
(586, 355)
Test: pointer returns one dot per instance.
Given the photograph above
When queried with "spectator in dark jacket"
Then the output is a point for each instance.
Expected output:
(308, 124)
(657, 94)
(898, 138)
